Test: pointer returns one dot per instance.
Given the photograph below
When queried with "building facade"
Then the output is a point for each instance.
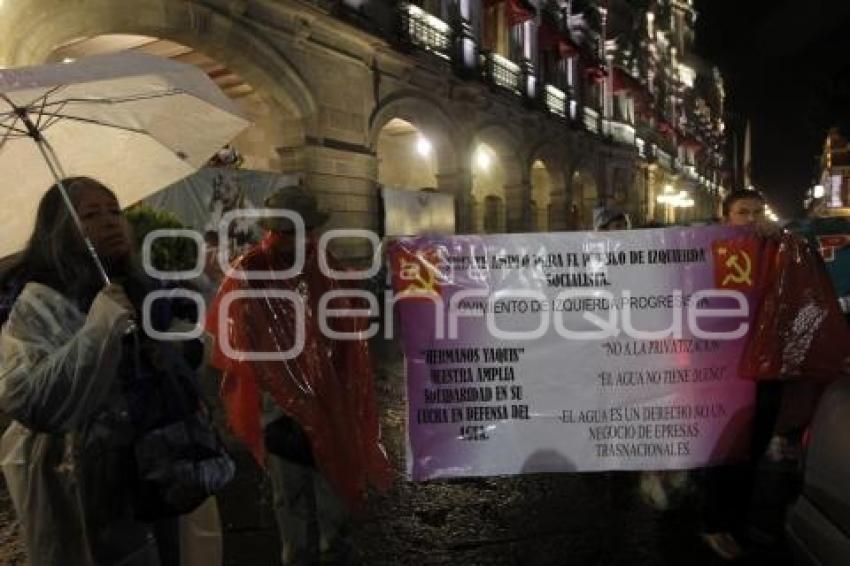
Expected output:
(529, 113)
(831, 196)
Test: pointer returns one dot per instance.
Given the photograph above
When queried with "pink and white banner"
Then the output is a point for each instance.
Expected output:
(566, 352)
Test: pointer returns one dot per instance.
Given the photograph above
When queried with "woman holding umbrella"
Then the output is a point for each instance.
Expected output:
(80, 385)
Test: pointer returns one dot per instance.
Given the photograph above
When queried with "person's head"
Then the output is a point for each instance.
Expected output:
(56, 252)
(743, 208)
(610, 219)
(211, 238)
(296, 200)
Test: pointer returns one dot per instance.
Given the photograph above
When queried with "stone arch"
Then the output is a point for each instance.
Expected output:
(31, 35)
(506, 178)
(624, 193)
(424, 114)
(552, 207)
(584, 191)
(397, 127)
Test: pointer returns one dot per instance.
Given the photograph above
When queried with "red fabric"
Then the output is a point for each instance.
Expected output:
(625, 82)
(643, 102)
(691, 142)
(517, 11)
(799, 331)
(327, 389)
(551, 38)
(666, 129)
(596, 73)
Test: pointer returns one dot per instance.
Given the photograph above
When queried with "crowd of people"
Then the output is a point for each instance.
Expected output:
(112, 453)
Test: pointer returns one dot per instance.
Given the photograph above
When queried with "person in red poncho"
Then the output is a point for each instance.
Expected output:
(798, 342)
(310, 418)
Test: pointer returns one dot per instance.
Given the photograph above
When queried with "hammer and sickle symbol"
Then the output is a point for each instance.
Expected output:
(413, 271)
(740, 274)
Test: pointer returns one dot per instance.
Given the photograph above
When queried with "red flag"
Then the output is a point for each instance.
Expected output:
(516, 11)
(799, 331)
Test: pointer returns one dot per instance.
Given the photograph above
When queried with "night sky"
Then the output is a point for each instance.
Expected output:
(787, 68)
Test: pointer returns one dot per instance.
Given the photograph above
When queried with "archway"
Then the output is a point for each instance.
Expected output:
(497, 172)
(585, 198)
(624, 194)
(406, 157)
(488, 190)
(548, 189)
(541, 197)
(414, 147)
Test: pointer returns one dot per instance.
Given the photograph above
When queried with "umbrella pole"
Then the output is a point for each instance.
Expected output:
(58, 175)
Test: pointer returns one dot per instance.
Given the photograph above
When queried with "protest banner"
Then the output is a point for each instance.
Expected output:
(565, 352)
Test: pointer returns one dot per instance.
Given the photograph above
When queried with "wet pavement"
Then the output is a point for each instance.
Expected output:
(552, 519)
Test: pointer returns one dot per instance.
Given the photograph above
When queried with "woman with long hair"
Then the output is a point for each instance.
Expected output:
(81, 385)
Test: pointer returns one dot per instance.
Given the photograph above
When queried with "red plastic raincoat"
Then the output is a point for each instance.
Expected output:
(799, 331)
(327, 389)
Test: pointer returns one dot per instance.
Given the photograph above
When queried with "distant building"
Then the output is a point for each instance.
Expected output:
(831, 197)
(529, 113)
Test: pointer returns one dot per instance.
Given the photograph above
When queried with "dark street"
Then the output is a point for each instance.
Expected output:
(553, 519)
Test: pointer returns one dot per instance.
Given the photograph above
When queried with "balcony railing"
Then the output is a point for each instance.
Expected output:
(426, 31)
(664, 159)
(504, 72)
(623, 133)
(556, 101)
(591, 119)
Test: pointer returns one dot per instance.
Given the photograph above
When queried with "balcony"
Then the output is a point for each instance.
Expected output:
(591, 120)
(556, 101)
(426, 31)
(664, 159)
(623, 133)
(504, 73)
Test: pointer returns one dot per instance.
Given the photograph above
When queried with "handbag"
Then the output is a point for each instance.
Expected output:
(179, 466)
(180, 459)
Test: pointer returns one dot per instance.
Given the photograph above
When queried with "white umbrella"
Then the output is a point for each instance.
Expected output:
(134, 122)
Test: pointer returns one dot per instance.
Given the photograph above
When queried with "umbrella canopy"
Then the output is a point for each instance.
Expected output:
(134, 122)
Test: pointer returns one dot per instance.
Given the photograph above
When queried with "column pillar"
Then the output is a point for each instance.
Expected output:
(558, 210)
(518, 206)
(603, 58)
(466, 46)
(459, 185)
(345, 184)
(649, 204)
(529, 76)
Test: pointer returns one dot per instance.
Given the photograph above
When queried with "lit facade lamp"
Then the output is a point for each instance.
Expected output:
(666, 197)
(423, 146)
(482, 159)
(818, 191)
(682, 199)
